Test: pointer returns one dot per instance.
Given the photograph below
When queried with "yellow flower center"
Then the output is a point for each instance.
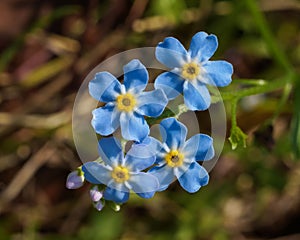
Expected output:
(190, 70)
(120, 174)
(126, 102)
(174, 158)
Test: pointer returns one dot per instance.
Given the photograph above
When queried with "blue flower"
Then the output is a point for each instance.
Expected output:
(121, 174)
(176, 157)
(126, 104)
(191, 70)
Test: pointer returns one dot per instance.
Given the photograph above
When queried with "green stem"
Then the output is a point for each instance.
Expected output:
(264, 29)
(285, 96)
(237, 136)
(274, 48)
(254, 82)
(182, 108)
(234, 102)
(268, 87)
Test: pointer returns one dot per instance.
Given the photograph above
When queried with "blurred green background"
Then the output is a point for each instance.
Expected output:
(48, 47)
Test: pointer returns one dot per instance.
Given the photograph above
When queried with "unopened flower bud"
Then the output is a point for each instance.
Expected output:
(75, 180)
(99, 205)
(95, 194)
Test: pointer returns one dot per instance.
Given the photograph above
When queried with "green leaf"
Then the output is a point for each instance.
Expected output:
(154, 120)
(237, 138)
(176, 112)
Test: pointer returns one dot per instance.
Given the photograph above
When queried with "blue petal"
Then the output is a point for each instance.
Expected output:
(179, 171)
(133, 126)
(118, 186)
(104, 87)
(105, 120)
(218, 73)
(135, 76)
(96, 173)
(194, 178)
(146, 195)
(110, 151)
(114, 195)
(196, 96)
(153, 144)
(173, 132)
(171, 53)
(156, 148)
(152, 103)
(143, 183)
(200, 147)
(139, 158)
(170, 83)
(164, 174)
(203, 46)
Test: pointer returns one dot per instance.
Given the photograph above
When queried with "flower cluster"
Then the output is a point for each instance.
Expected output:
(149, 165)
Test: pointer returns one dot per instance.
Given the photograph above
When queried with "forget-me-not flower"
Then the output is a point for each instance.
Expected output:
(191, 70)
(176, 157)
(127, 103)
(121, 174)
